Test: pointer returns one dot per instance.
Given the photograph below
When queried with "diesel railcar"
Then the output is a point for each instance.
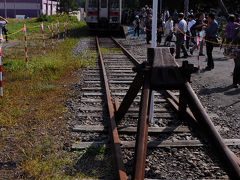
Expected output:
(103, 15)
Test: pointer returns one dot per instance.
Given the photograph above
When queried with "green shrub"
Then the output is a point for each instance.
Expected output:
(55, 18)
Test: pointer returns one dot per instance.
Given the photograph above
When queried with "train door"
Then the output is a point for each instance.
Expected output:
(92, 11)
(115, 11)
(103, 9)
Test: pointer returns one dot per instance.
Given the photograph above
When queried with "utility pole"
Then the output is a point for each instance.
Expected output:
(15, 14)
(5, 8)
(47, 8)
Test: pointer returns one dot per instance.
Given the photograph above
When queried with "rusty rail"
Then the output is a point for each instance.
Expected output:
(117, 153)
(199, 116)
(142, 131)
(203, 118)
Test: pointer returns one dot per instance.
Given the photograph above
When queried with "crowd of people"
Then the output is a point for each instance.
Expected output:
(196, 29)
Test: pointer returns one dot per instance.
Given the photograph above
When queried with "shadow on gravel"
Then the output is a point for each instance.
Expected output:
(233, 92)
(208, 91)
(231, 104)
(95, 163)
(222, 59)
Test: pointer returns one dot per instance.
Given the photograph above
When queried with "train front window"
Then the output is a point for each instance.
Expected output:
(114, 4)
(93, 3)
(103, 3)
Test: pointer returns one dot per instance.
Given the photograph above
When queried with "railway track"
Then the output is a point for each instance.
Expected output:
(104, 88)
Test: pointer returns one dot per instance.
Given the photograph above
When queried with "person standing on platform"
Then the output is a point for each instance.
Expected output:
(3, 22)
(195, 31)
(175, 17)
(182, 29)
(191, 22)
(168, 30)
(236, 42)
(229, 29)
(136, 25)
(211, 39)
(148, 26)
(166, 15)
(160, 26)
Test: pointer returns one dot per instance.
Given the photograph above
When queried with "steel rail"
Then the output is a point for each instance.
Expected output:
(174, 102)
(229, 157)
(203, 118)
(142, 131)
(117, 153)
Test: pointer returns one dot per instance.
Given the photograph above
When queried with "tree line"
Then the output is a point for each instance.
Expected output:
(66, 6)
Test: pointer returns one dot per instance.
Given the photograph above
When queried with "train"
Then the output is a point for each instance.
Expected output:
(103, 15)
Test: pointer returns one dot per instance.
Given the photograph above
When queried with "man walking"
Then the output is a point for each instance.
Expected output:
(182, 29)
(148, 26)
(191, 22)
(211, 38)
(195, 31)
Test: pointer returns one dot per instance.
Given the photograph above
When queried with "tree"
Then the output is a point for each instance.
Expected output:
(81, 3)
(223, 8)
(186, 7)
(66, 6)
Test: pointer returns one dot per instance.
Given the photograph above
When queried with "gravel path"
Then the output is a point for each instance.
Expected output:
(213, 88)
(91, 162)
(222, 104)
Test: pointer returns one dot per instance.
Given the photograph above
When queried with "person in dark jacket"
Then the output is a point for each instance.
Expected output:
(159, 29)
(236, 42)
(175, 17)
(229, 29)
(148, 26)
(136, 26)
(195, 30)
(211, 39)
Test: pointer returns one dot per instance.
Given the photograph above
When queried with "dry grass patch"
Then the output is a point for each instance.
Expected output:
(32, 114)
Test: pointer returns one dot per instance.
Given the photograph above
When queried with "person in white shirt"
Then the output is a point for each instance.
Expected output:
(3, 22)
(191, 22)
(166, 15)
(182, 29)
(169, 26)
(168, 29)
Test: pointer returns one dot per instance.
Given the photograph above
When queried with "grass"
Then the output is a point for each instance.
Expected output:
(33, 130)
(110, 50)
(15, 27)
